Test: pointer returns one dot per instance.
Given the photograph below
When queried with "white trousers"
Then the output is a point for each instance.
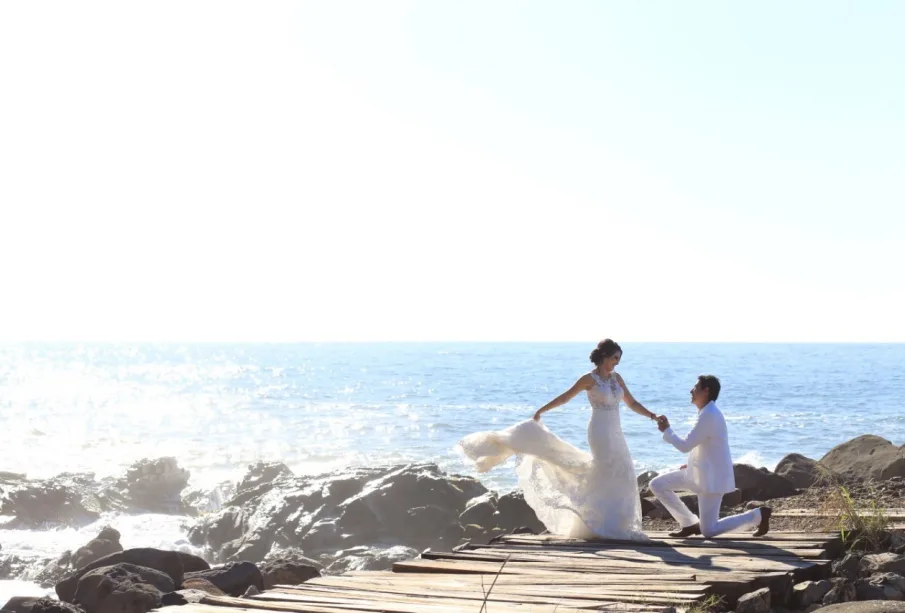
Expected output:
(664, 488)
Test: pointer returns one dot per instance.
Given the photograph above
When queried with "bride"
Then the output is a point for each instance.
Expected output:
(573, 493)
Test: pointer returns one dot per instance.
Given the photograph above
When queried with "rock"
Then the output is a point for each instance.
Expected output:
(198, 584)
(802, 471)
(754, 602)
(866, 457)
(883, 563)
(892, 585)
(218, 528)
(29, 604)
(480, 510)
(514, 512)
(842, 591)
(251, 591)
(872, 606)
(655, 510)
(181, 597)
(285, 572)
(761, 484)
(807, 593)
(122, 587)
(192, 563)
(150, 485)
(732, 499)
(848, 567)
(95, 549)
(65, 500)
(233, 578)
(262, 473)
(413, 505)
(864, 590)
(364, 558)
(646, 477)
(167, 562)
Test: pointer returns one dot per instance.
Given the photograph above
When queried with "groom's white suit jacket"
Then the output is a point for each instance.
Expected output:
(707, 445)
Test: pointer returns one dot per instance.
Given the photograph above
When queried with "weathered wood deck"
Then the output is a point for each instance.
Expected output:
(543, 574)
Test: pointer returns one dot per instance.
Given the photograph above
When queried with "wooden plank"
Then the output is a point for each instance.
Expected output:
(689, 542)
(693, 589)
(656, 551)
(632, 561)
(819, 537)
(431, 581)
(891, 513)
(520, 568)
(578, 599)
(558, 578)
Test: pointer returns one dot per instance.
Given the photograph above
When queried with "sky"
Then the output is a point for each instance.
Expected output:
(489, 171)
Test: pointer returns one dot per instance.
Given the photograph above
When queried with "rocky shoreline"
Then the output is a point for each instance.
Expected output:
(275, 526)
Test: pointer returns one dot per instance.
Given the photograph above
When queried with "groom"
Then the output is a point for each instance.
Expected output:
(708, 473)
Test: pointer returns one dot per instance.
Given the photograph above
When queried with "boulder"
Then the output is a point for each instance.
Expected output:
(754, 602)
(197, 584)
(167, 562)
(287, 572)
(365, 558)
(806, 593)
(121, 588)
(891, 584)
(865, 590)
(514, 513)
(761, 484)
(181, 597)
(29, 604)
(65, 500)
(480, 510)
(866, 457)
(233, 578)
(151, 485)
(883, 563)
(801, 471)
(848, 567)
(870, 606)
(843, 590)
(262, 473)
(646, 477)
(192, 563)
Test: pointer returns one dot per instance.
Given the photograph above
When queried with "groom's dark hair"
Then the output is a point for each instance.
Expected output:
(711, 384)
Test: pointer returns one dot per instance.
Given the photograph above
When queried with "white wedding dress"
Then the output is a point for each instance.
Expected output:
(574, 494)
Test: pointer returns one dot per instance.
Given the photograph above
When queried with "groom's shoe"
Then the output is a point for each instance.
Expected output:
(688, 531)
(764, 527)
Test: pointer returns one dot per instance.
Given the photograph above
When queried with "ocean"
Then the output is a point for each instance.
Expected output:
(219, 407)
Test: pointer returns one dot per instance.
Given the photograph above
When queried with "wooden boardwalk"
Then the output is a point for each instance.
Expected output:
(547, 574)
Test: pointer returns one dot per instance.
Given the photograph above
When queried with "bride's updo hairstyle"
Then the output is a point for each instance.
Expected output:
(605, 349)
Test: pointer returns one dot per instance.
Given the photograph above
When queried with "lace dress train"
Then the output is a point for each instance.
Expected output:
(574, 493)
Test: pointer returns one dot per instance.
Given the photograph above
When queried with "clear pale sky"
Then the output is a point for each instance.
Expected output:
(462, 170)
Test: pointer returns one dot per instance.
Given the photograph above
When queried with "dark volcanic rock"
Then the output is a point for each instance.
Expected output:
(167, 562)
(413, 505)
(66, 500)
(27, 604)
(514, 513)
(761, 484)
(233, 578)
(866, 457)
(803, 472)
(127, 587)
(287, 572)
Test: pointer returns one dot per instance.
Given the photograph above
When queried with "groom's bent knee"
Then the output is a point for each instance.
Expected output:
(658, 485)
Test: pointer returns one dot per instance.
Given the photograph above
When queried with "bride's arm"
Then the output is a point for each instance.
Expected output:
(630, 401)
(581, 385)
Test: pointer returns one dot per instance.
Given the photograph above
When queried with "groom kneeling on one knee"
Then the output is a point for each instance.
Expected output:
(708, 474)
